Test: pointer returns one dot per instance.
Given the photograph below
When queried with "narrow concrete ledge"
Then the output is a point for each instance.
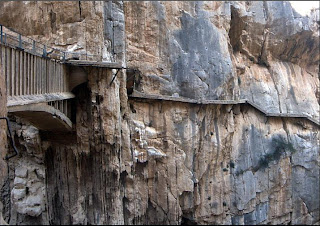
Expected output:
(40, 98)
(43, 116)
(137, 94)
(140, 95)
(111, 65)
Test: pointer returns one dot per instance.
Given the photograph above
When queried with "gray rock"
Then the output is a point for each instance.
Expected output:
(18, 194)
(34, 211)
(21, 172)
(40, 173)
(34, 200)
(262, 212)
(19, 181)
(250, 218)
(201, 64)
(245, 189)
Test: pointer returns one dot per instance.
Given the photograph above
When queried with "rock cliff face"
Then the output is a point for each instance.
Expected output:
(3, 137)
(222, 50)
(134, 161)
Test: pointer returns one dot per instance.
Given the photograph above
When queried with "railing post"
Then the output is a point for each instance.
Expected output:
(20, 41)
(44, 54)
(33, 46)
(1, 34)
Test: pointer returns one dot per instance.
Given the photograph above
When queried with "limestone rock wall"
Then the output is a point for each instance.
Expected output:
(70, 25)
(3, 135)
(25, 193)
(184, 48)
(130, 161)
(71, 178)
(276, 51)
(86, 27)
(89, 188)
(226, 50)
(218, 165)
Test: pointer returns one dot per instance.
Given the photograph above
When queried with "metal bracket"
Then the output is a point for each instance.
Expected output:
(1, 31)
(11, 139)
(115, 76)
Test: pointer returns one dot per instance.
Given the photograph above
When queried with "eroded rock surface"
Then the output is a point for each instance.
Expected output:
(3, 136)
(26, 190)
(132, 161)
(227, 50)
(214, 165)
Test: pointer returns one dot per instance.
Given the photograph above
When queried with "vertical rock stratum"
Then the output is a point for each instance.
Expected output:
(132, 160)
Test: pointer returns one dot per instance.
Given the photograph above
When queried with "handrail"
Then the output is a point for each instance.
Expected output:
(11, 139)
(14, 39)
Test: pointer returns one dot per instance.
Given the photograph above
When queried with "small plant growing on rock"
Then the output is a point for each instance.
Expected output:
(280, 146)
(263, 163)
(239, 172)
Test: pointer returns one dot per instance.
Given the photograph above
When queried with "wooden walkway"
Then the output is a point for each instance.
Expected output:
(32, 79)
(38, 85)
(38, 82)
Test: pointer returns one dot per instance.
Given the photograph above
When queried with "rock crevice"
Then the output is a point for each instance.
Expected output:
(132, 160)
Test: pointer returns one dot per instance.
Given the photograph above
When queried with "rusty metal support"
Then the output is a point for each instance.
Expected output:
(117, 74)
(114, 77)
(11, 139)
(1, 28)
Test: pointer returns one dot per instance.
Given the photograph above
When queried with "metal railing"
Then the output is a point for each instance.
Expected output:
(15, 40)
(64, 106)
(29, 74)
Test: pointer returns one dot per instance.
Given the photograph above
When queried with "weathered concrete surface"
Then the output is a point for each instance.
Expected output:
(38, 98)
(149, 97)
(43, 116)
